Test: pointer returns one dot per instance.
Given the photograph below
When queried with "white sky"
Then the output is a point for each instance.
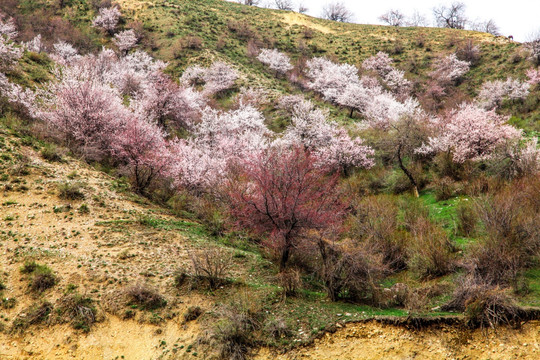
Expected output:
(519, 18)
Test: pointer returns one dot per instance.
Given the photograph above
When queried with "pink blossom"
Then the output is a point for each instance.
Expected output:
(534, 76)
(193, 75)
(449, 69)
(330, 143)
(126, 40)
(85, 114)
(493, 93)
(141, 145)
(35, 45)
(107, 19)
(330, 79)
(219, 77)
(9, 54)
(64, 53)
(275, 60)
(165, 102)
(471, 133)
(394, 79)
(7, 27)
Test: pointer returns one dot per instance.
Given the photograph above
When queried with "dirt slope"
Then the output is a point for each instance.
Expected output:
(375, 341)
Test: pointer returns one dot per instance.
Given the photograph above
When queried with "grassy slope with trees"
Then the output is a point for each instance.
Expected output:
(188, 32)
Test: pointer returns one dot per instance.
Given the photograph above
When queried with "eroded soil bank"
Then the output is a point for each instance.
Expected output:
(373, 340)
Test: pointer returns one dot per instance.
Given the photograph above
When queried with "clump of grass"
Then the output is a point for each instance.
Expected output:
(78, 310)
(41, 276)
(83, 209)
(192, 313)
(71, 191)
(145, 297)
(466, 219)
(211, 266)
(38, 313)
(234, 332)
(50, 152)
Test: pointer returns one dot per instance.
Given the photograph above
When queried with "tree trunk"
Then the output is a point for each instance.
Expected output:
(407, 172)
(284, 258)
(352, 112)
(285, 253)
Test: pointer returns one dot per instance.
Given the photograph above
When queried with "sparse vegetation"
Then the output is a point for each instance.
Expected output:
(41, 276)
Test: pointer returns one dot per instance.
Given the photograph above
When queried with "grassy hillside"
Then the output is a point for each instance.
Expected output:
(86, 262)
(188, 32)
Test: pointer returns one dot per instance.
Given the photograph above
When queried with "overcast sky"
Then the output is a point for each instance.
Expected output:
(519, 18)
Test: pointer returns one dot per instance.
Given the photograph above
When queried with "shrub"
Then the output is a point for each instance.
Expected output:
(211, 265)
(77, 310)
(469, 52)
(491, 309)
(350, 272)
(192, 313)
(430, 251)
(234, 332)
(193, 42)
(444, 189)
(146, 297)
(511, 240)
(412, 209)
(36, 314)
(277, 328)
(290, 281)
(375, 221)
(70, 191)
(467, 218)
(484, 305)
(41, 276)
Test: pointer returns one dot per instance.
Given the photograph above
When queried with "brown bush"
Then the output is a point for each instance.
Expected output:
(467, 218)
(145, 297)
(76, 309)
(277, 328)
(468, 51)
(511, 238)
(484, 305)
(290, 281)
(444, 189)
(193, 42)
(192, 313)
(234, 333)
(350, 272)
(412, 210)
(35, 314)
(41, 276)
(252, 49)
(212, 266)
(430, 250)
(374, 221)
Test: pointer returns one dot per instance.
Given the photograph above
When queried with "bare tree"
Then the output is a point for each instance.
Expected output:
(284, 4)
(452, 16)
(393, 18)
(302, 8)
(249, 2)
(337, 12)
(491, 27)
(417, 19)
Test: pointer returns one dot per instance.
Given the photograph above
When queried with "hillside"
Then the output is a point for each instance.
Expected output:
(199, 32)
(102, 241)
(214, 207)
